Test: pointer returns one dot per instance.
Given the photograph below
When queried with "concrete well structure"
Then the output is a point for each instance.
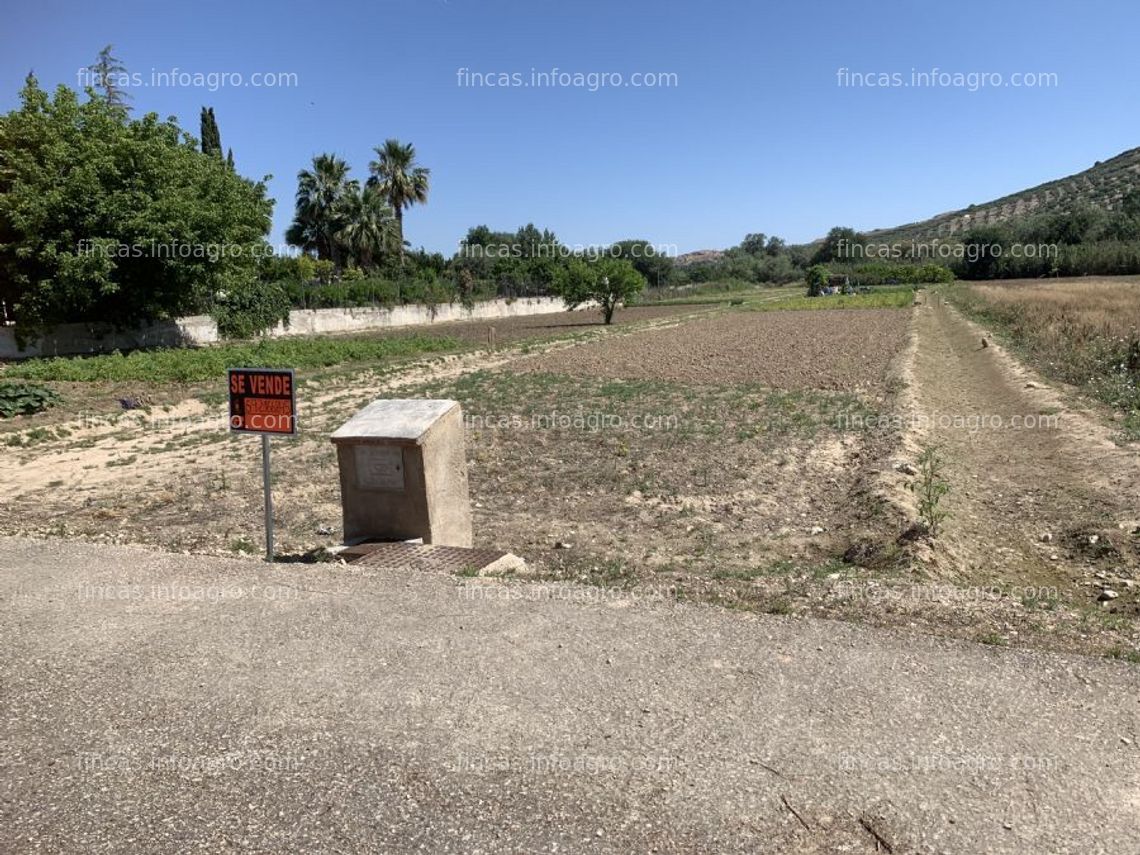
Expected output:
(403, 473)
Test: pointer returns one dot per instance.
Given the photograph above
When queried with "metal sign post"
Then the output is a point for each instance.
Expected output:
(264, 401)
(268, 497)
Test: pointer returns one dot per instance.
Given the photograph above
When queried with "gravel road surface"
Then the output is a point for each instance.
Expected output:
(153, 702)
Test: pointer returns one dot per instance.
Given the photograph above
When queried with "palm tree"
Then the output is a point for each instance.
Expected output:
(321, 193)
(399, 179)
(368, 228)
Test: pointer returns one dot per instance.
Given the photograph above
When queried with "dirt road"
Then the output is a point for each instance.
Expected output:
(162, 703)
(1039, 491)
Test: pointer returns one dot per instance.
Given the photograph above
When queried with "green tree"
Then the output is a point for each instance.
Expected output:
(656, 267)
(318, 217)
(495, 255)
(1080, 224)
(533, 243)
(1120, 227)
(250, 309)
(105, 217)
(983, 248)
(400, 180)
(841, 244)
(368, 229)
(754, 244)
(607, 281)
(1130, 205)
(211, 139)
(481, 236)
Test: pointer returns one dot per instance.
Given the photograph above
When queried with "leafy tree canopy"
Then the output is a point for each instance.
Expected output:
(606, 281)
(839, 245)
(655, 266)
(754, 243)
(104, 217)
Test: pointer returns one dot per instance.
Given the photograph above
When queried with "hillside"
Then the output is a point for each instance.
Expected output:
(699, 256)
(1103, 185)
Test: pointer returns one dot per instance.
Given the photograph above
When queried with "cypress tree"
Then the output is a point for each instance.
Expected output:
(211, 138)
(204, 131)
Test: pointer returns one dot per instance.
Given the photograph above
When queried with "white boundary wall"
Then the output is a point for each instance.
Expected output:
(198, 330)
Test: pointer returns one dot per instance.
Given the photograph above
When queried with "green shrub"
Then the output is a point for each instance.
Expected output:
(888, 273)
(931, 487)
(21, 399)
(250, 309)
(816, 280)
(325, 270)
(345, 294)
(438, 293)
(465, 288)
(381, 293)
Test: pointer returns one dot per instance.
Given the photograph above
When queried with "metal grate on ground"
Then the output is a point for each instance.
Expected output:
(418, 558)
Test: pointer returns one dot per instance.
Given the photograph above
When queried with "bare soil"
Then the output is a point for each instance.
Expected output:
(538, 327)
(847, 350)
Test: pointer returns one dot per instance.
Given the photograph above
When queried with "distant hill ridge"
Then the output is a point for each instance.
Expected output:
(699, 256)
(1104, 185)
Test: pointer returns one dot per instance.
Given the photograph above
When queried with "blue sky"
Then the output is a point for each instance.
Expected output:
(756, 133)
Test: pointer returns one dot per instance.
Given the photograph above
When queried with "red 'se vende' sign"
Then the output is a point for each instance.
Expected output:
(263, 400)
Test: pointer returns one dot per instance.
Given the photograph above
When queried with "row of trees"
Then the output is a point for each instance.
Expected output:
(525, 263)
(1085, 240)
(352, 224)
(758, 258)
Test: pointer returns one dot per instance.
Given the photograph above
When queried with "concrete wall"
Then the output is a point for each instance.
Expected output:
(311, 321)
(71, 339)
(197, 330)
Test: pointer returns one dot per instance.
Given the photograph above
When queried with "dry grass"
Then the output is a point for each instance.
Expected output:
(1082, 331)
(1074, 311)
